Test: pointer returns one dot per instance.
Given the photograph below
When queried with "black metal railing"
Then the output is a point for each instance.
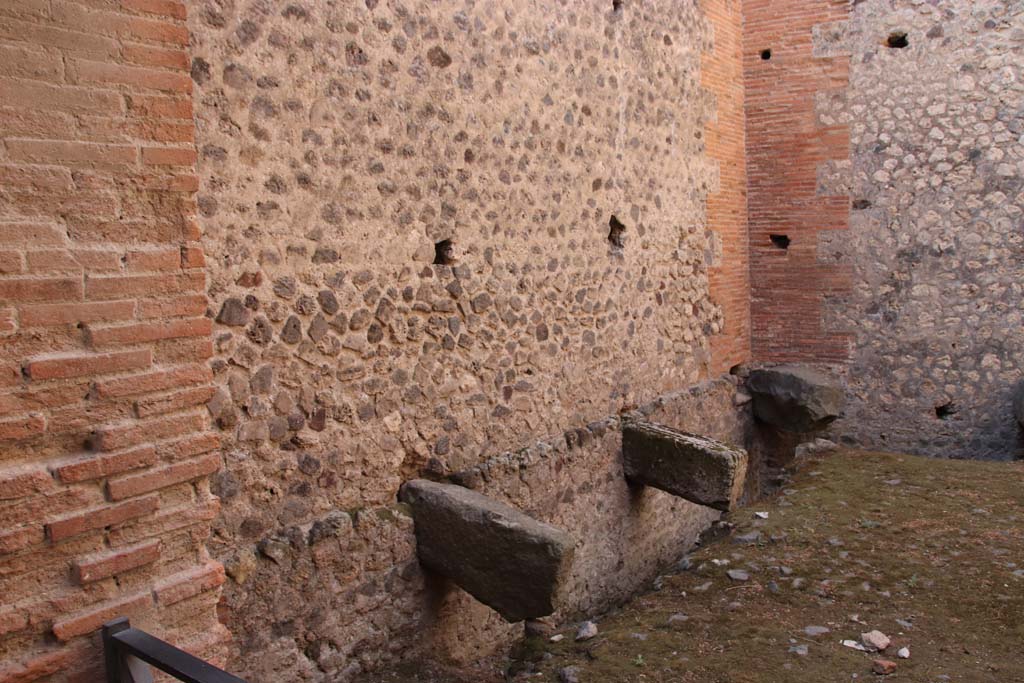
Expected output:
(129, 652)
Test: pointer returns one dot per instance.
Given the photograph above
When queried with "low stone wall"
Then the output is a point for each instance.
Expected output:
(355, 596)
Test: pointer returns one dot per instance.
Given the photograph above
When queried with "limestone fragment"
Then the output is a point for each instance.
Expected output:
(586, 631)
(875, 640)
(502, 557)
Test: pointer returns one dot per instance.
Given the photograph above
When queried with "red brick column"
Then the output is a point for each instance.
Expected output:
(722, 75)
(104, 448)
(785, 147)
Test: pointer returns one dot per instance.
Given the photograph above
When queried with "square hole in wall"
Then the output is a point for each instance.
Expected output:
(616, 233)
(444, 253)
(780, 241)
(897, 40)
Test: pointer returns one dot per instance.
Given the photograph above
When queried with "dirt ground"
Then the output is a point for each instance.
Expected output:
(929, 552)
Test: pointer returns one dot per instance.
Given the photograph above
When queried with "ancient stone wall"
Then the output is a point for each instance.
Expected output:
(902, 122)
(356, 596)
(437, 231)
(105, 445)
(936, 175)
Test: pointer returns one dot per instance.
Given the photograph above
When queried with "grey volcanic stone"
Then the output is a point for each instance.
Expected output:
(698, 469)
(795, 398)
(505, 559)
(1018, 403)
(233, 312)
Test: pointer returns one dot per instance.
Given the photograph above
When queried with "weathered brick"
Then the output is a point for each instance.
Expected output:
(10, 375)
(162, 477)
(44, 315)
(52, 261)
(188, 584)
(11, 262)
(98, 518)
(18, 539)
(194, 444)
(171, 182)
(88, 72)
(23, 62)
(97, 261)
(104, 465)
(53, 151)
(126, 435)
(93, 618)
(186, 349)
(41, 289)
(38, 666)
(22, 426)
(149, 332)
(190, 305)
(165, 522)
(119, 287)
(12, 620)
(179, 400)
(65, 38)
(24, 480)
(144, 55)
(159, 380)
(168, 156)
(158, 31)
(35, 178)
(26, 7)
(160, 107)
(107, 564)
(86, 229)
(160, 131)
(159, 259)
(192, 257)
(83, 365)
(8, 321)
(165, 8)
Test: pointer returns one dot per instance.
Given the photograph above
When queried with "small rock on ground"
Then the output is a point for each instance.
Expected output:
(883, 667)
(570, 674)
(875, 640)
(587, 630)
(738, 575)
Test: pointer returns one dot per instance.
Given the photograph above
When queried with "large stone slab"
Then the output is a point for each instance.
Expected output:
(502, 557)
(693, 467)
(795, 398)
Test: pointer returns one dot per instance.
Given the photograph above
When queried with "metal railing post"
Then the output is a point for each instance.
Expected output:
(112, 657)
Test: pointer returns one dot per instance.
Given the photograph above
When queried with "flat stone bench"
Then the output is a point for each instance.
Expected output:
(695, 468)
(502, 557)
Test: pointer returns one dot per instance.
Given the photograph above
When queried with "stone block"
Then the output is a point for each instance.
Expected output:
(701, 470)
(502, 557)
(795, 398)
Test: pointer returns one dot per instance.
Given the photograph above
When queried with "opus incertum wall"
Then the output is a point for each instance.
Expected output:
(437, 232)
